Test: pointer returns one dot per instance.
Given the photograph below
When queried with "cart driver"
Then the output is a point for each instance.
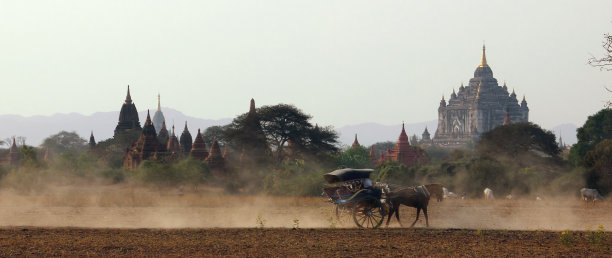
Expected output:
(367, 183)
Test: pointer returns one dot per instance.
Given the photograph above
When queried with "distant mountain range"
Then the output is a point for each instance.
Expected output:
(37, 128)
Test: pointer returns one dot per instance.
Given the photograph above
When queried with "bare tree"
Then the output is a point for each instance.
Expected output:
(19, 140)
(604, 63)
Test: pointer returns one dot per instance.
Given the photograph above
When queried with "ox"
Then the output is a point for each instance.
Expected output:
(488, 194)
(590, 194)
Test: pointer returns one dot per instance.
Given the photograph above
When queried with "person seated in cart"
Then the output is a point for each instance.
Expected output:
(367, 184)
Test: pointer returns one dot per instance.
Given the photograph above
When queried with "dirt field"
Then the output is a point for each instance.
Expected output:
(288, 242)
(128, 221)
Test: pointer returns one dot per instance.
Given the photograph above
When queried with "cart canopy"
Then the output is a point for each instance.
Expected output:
(347, 174)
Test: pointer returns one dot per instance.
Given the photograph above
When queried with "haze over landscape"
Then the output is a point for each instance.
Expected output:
(305, 121)
(344, 62)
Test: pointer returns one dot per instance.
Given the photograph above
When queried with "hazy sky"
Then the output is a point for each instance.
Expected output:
(343, 62)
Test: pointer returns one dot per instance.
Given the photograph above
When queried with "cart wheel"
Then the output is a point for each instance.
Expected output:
(368, 213)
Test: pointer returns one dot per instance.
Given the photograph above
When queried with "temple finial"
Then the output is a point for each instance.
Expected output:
(483, 60)
(158, 102)
(128, 98)
(252, 106)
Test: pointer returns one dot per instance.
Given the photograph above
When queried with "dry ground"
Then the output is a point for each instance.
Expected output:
(129, 221)
(292, 243)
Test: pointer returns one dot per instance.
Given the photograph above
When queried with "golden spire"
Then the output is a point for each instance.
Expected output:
(483, 61)
(158, 103)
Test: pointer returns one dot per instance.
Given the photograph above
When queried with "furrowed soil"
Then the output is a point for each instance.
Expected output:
(130, 221)
(289, 242)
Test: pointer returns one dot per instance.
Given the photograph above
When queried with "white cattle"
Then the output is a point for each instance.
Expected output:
(449, 195)
(488, 194)
(590, 194)
(509, 197)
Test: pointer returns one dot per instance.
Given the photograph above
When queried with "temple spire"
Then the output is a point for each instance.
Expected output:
(148, 122)
(483, 60)
(355, 143)
(128, 98)
(158, 102)
(252, 106)
(507, 118)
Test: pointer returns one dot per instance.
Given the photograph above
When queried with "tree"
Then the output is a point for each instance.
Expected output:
(355, 157)
(245, 134)
(213, 132)
(599, 164)
(284, 123)
(64, 142)
(281, 130)
(517, 139)
(604, 62)
(597, 128)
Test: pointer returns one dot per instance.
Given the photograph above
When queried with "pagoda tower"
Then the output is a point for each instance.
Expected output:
(373, 156)
(355, 143)
(92, 141)
(162, 135)
(186, 140)
(254, 143)
(507, 118)
(145, 148)
(198, 149)
(215, 160)
(158, 117)
(14, 156)
(477, 108)
(128, 116)
(404, 153)
(173, 145)
(48, 157)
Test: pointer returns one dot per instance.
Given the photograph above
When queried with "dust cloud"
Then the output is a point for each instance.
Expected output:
(125, 206)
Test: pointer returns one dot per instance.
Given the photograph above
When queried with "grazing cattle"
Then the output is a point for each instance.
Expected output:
(488, 194)
(590, 194)
(449, 195)
(509, 197)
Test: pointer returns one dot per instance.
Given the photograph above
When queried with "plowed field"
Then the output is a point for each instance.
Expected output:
(292, 243)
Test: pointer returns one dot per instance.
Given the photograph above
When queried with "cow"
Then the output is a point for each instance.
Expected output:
(590, 194)
(488, 194)
(449, 195)
(509, 197)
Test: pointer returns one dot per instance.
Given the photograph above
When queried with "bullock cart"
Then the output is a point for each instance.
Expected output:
(352, 192)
